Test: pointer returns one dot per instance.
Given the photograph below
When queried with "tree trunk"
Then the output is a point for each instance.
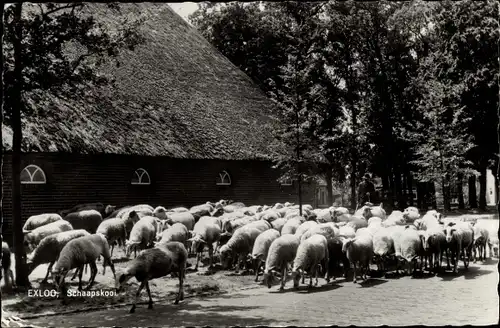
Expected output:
(472, 192)
(16, 107)
(446, 195)
(353, 181)
(461, 202)
(482, 188)
(431, 191)
(409, 186)
(329, 186)
(420, 194)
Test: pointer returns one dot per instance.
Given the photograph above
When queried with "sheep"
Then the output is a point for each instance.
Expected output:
(329, 230)
(233, 225)
(177, 232)
(304, 227)
(396, 218)
(460, 238)
(434, 245)
(142, 209)
(205, 232)
(87, 219)
(185, 218)
(374, 220)
(409, 244)
(132, 216)
(336, 256)
(260, 225)
(411, 214)
(278, 206)
(179, 209)
(323, 215)
(142, 235)
(201, 210)
(99, 207)
(370, 211)
(254, 209)
(6, 264)
(114, 231)
(33, 238)
(310, 254)
(78, 252)
(427, 221)
(435, 213)
(339, 211)
(37, 221)
(155, 263)
(481, 239)
(347, 231)
(49, 249)
(278, 224)
(240, 245)
(359, 250)
(233, 207)
(261, 248)
(358, 222)
(383, 247)
(281, 252)
(269, 216)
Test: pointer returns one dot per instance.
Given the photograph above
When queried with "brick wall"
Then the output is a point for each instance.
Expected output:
(76, 179)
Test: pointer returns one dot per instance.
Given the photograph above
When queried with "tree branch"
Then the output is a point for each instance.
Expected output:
(72, 6)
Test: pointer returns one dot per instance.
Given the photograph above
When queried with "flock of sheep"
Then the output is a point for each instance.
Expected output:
(271, 240)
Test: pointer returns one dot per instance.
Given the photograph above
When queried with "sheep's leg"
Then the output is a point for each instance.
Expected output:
(180, 295)
(112, 247)
(257, 266)
(48, 271)
(112, 266)
(316, 282)
(198, 256)
(80, 274)
(93, 272)
(448, 267)
(75, 274)
(132, 310)
(211, 256)
(355, 271)
(283, 277)
(150, 305)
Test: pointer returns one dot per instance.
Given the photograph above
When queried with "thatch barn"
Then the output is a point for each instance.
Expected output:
(182, 126)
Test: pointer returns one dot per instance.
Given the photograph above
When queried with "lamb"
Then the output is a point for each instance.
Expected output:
(278, 224)
(49, 249)
(310, 254)
(78, 252)
(383, 247)
(34, 237)
(410, 245)
(37, 221)
(304, 227)
(434, 244)
(481, 238)
(359, 250)
(460, 238)
(142, 236)
(88, 220)
(281, 252)
(114, 231)
(261, 248)
(240, 245)
(205, 232)
(6, 264)
(155, 263)
(177, 232)
(329, 230)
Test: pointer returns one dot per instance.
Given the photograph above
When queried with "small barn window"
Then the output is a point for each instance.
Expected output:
(33, 174)
(286, 182)
(224, 179)
(141, 177)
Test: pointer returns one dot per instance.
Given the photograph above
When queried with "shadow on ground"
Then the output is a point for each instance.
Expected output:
(187, 313)
(305, 289)
(470, 273)
(372, 282)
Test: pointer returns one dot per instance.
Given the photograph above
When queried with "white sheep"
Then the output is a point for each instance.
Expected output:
(133, 214)
(34, 237)
(411, 214)
(49, 249)
(281, 252)
(205, 233)
(371, 211)
(279, 224)
(493, 245)
(310, 254)
(395, 218)
(427, 221)
(434, 245)
(481, 239)
(302, 229)
(359, 251)
(347, 231)
(185, 218)
(261, 249)
(460, 239)
(339, 211)
(260, 225)
(357, 222)
(329, 230)
(37, 221)
(114, 231)
(323, 215)
(78, 252)
(238, 247)
(88, 220)
(179, 209)
(269, 215)
(383, 247)
(177, 232)
(291, 226)
(142, 236)
(201, 210)
(155, 263)
(409, 244)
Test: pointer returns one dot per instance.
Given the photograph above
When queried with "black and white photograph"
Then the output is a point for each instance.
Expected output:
(260, 163)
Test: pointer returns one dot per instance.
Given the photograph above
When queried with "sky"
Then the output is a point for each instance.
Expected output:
(184, 9)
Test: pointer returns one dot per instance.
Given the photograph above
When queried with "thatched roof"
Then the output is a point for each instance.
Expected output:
(175, 96)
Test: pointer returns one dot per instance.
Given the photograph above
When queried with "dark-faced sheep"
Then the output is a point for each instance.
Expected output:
(114, 231)
(155, 263)
(88, 220)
